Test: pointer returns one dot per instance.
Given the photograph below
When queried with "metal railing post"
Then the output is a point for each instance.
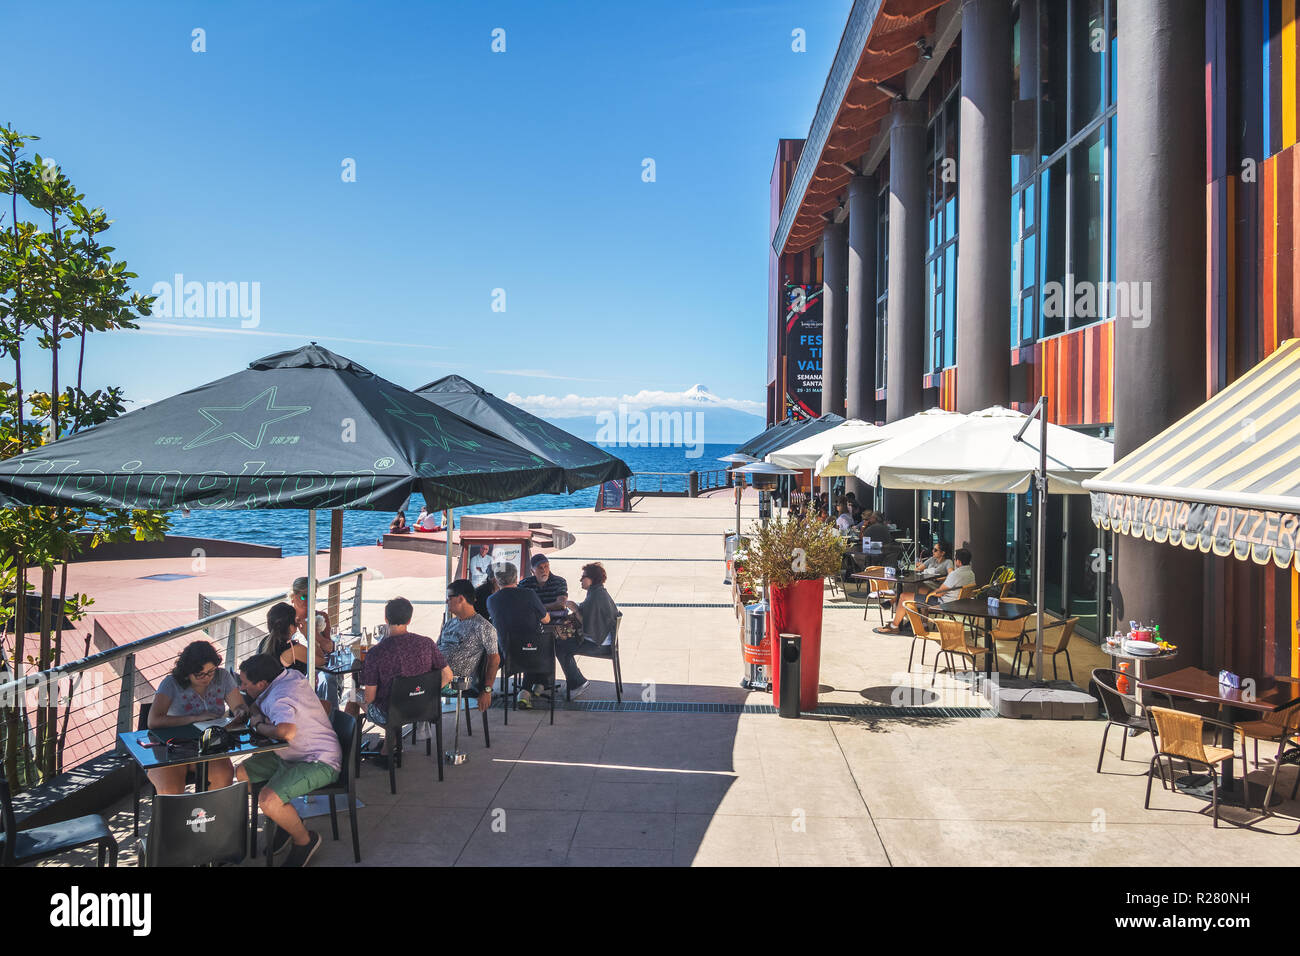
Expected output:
(126, 697)
(230, 644)
(356, 607)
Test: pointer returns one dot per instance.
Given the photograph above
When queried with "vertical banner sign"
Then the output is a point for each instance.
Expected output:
(613, 496)
(803, 350)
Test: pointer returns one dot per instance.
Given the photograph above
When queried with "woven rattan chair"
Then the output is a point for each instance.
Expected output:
(922, 630)
(1182, 736)
(1056, 641)
(1279, 728)
(883, 593)
(1009, 630)
(953, 640)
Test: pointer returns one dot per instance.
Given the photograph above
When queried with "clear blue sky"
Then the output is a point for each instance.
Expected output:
(475, 171)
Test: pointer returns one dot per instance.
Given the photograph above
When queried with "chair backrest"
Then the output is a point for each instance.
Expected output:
(1006, 587)
(1118, 704)
(996, 577)
(1181, 734)
(412, 699)
(142, 718)
(8, 823)
(348, 729)
(1067, 632)
(618, 622)
(952, 634)
(968, 592)
(1009, 629)
(915, 617)
(532, 653)
(194, 829)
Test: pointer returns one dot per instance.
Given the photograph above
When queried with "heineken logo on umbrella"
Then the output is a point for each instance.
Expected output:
(247, 423)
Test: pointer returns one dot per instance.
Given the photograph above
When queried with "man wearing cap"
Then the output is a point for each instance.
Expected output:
(551, 588)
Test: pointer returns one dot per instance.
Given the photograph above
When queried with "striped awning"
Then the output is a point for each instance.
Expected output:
(1225, 479)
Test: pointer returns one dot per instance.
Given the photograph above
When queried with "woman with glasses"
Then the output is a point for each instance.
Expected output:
(198, 688)
(596, 618)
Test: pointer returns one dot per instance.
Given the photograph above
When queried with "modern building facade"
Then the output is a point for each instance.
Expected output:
(1091, 200)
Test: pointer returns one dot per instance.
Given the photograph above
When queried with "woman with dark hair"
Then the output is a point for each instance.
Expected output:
(281, 625)
(597, 616)
(198, 688)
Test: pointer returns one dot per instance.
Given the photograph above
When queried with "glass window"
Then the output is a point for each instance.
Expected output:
(1053, 296)
(1111, 151)
(1088, 40)
(1086, 225)
(950, 308)
(1052, 62)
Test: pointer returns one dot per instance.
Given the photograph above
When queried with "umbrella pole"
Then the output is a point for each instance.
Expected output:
(1040, 535)
(446, 612)
(916, 526)
(740, 487)
(311, 597)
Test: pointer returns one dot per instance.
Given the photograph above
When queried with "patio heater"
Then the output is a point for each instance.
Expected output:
(738, 459)
(765, 476)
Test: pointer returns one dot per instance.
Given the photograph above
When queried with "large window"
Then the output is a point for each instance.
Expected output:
(1063, 204)
(941, 236)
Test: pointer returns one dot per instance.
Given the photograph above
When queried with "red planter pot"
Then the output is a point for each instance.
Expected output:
(797, 609)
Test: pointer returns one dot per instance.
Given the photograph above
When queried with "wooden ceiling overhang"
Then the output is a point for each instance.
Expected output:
(878, 46)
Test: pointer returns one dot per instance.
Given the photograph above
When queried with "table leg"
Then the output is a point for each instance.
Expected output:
(988, 642)
(201, 777)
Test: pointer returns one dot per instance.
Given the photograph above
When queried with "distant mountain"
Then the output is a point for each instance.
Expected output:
(702, 419)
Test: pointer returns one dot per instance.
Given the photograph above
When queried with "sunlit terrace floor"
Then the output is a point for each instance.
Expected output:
(660, 788)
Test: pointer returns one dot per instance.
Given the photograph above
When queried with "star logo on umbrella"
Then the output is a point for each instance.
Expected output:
(247, 423)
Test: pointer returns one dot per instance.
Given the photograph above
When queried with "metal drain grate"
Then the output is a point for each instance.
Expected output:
(863, 711)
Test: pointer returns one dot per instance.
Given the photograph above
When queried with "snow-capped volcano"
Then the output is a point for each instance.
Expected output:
(698, 393)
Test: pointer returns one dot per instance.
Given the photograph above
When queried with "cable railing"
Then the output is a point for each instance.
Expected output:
(98, 696)
(681, 484)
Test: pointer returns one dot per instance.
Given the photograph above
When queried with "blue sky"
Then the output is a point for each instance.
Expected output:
(475, 171)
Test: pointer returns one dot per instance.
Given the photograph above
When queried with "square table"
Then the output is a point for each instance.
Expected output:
(1193, 683)
(979, 608)
(149, 750)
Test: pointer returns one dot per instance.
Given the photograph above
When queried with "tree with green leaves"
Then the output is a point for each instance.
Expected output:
(58, 284)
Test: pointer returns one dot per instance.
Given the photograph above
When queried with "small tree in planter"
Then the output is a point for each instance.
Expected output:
(794, 556)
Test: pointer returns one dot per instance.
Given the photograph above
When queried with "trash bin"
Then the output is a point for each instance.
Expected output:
(755, 648)
(787, 659)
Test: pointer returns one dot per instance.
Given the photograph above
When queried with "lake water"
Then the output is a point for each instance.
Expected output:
(288, 529)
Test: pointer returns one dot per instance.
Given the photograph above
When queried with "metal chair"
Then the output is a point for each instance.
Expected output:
(1281, 728)
(609, 652)
(1009, 630)
(197, 829)
(348, 730)
(921, 631)
(1122, 710)
(1182, 736)
(883, 591)
(38, 843)
(952, 640)
(530, 654)
(414, 701)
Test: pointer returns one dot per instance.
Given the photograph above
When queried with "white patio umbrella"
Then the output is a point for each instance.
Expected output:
(806, 452)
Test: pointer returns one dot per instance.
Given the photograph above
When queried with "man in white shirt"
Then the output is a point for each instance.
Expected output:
(937, 565)
(480, 565)
(959, 577)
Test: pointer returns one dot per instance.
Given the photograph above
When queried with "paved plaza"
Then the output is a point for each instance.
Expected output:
(665, 787)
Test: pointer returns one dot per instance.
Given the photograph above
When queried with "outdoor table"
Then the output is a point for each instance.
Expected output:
(1193, 683)
(979, 607)
(150, 750)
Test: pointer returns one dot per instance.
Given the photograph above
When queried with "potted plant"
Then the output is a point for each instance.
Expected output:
(794, 556)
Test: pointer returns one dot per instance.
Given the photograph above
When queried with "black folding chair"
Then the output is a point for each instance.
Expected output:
(609, 652)
(1122, 710)
(197, 829)
(348, 729)
(530, 654)
(38, 843)
(413, 700)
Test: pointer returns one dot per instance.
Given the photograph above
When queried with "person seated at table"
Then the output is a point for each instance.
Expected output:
(518, 613)
(843, 520)
(324, 644)
(551, 588)
(483, 592)
(428, 521)
(936, 566)
(855, 509)
(402, 653)
(198, 688)
(596, 618)
(285, 708)
(875, 527)
(466, 639)
(959, 577)
(281, 628)
(398, 525)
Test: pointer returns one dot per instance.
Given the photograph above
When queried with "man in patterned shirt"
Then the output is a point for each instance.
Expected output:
(467, 638)
(551, 588)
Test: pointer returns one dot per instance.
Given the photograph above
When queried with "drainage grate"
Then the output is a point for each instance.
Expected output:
(864, 711)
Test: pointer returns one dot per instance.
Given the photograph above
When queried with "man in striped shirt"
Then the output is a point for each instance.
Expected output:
(552, 589)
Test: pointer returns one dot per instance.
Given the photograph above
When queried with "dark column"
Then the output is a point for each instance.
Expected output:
(834, 313)
(861, 340)
(984, 253)
(905, 327)
(1159, 359)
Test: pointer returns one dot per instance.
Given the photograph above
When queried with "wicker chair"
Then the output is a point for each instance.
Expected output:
(921, 631)
(952, 640)
(1056, 646)
(1009, 630)
(1279, 728)
(1122, 710)
(1182, 737)
(883, 593)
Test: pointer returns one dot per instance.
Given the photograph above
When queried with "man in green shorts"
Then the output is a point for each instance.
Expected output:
(286, 708)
